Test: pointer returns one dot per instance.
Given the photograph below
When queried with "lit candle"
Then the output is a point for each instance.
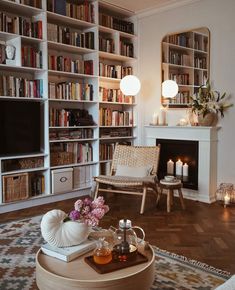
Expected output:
(170, 167)
(226, 199)
(179, 167)
(185, 169)
(155, 119)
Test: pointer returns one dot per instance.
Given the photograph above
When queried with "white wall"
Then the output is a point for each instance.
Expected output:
(219, 17)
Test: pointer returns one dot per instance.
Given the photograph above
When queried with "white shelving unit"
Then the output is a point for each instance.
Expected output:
(54, 132)
(185, 59)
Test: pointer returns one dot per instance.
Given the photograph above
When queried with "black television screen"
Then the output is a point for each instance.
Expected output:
(20, 127)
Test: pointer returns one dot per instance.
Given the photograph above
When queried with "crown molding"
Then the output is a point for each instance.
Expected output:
(170, 4)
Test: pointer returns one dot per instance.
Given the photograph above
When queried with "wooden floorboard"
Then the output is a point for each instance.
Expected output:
(204, 232)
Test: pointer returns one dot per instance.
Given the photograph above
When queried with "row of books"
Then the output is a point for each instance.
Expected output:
(180, 39)
(181, 98)
(81, 152)
(67, 64)
(114, 71)
(31, 57)
(111, 95)
(106, 151)
(84, 133)
(106, 44)
(20, 87)
(70, 117)
(116, 23)
(20, 25)
(109, 117)
(115, 132)
(83, 11)
(126, 49)
(200, 62)
(181, 78)
(82, 176)
(201, 43)
(37, 184)
(33, 3)
(69, 36)
(179, 58)
(70, 91)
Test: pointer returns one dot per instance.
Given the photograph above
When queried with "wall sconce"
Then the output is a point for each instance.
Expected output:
(130, 85)
(169, 89)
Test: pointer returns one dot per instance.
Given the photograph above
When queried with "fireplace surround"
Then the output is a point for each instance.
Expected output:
(207, 155)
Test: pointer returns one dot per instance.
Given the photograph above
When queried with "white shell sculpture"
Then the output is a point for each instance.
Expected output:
(58, 233)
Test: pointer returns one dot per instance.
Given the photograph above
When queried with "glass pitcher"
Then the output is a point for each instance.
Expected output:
(125, 238)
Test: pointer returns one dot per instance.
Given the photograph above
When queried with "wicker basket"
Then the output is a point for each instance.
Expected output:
(15, 187)
(61, 158)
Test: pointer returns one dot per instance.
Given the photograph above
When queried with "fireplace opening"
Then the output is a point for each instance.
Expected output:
(179, 158)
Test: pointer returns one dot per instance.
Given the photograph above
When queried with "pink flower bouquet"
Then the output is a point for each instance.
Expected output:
(89, 211)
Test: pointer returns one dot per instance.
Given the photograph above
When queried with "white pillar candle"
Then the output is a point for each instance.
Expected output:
(162, 116)
(179, 167)
(155, 119)
(185, 169)
(170, 167)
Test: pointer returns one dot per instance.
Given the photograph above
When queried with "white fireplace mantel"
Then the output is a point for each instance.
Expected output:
(207, 159)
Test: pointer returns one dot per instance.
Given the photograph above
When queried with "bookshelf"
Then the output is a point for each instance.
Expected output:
(185, 59)
(69, 60)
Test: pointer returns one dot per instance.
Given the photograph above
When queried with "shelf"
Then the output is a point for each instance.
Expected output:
(74, 165)
(116, 57)
(118, 137)
(21, 68)
(109, 80)
(62, 19)
(177, 65)
(19, 156)
(124, 126)
(14, 7)
(72, 101)
(32, 40)
(70, 74)
(117, 103)
(23, 99)
(25, 170)
(111, 30)
(69, 48)
(105, 161)
(7, 36)
(72, 140)
(73, 127)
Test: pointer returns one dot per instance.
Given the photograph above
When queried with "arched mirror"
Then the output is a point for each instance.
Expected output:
(186, 60)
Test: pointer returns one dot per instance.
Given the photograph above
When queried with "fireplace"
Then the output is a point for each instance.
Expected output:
(187, 152)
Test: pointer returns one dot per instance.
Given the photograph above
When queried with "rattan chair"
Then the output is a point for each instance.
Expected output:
(132, 157)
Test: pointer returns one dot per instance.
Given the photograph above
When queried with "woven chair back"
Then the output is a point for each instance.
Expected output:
(134, 156)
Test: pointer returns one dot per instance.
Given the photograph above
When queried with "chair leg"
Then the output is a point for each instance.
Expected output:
(143, 200)
(169, 200)
(181, 198)
(159, 196)
(96, 190)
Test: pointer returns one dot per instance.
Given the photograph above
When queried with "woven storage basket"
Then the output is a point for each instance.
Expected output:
(61, 158)
(15, 187)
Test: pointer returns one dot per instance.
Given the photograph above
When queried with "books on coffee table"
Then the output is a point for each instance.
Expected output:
(67, 254)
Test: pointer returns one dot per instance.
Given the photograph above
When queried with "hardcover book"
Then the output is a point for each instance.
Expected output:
(68, 254)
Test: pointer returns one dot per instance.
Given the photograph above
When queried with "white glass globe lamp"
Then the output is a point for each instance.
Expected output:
(169, 89)
(130, 85)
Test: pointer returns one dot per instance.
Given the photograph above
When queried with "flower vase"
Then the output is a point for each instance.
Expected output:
(210, 119)
(59, 232)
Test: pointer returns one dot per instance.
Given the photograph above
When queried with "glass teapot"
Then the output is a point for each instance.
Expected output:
(125, 237)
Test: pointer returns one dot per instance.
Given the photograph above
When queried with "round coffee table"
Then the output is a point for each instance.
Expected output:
(52, 274)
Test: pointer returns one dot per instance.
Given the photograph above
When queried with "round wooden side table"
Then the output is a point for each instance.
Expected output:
(170, 187)
(52, 274)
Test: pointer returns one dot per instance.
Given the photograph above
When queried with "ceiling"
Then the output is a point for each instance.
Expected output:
(139, 6)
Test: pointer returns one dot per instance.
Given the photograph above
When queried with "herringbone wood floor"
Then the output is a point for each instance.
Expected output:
(203, 232)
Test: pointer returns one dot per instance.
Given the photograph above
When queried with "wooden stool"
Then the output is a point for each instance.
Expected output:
(170, 187)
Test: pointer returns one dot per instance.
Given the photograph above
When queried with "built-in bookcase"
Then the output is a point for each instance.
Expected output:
(68, 63)
(185, 59)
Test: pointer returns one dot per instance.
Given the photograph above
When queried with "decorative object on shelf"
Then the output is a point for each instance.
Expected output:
(183, 122)
(10, 54)
(225, 194)
(169, 91)
(207, 104)
(130, 85)
(62, 230)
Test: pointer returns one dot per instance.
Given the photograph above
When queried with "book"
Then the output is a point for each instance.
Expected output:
(68, 254)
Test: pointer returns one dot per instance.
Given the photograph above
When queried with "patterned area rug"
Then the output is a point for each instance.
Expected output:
(20, 240)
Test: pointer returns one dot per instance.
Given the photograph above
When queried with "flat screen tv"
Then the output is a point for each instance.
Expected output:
(21, 129)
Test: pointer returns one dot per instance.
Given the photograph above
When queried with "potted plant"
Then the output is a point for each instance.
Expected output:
(207, 104)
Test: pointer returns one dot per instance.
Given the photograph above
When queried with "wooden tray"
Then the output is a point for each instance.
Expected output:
(115, 264)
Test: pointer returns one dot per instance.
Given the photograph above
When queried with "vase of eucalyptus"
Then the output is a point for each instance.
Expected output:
(208, 104)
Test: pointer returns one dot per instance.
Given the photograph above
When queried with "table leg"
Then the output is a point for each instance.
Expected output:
(181, 198)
